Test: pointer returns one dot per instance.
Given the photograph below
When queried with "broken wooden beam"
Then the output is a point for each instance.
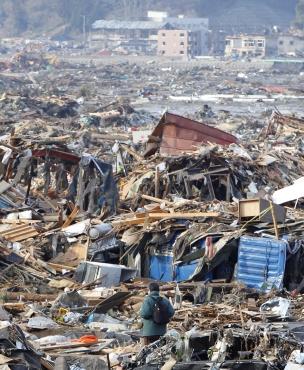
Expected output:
(181, 215)
(71, 217)
(157, 200)
(30, 297)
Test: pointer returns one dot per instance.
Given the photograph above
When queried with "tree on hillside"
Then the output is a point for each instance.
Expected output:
(74, 10)
(299, 21)
(20, 16)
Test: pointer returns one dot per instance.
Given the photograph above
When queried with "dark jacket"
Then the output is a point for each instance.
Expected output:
(150, 329)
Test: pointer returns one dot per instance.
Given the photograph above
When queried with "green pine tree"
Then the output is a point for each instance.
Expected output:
(299, 21)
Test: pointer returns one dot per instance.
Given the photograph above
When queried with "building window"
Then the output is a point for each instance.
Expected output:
(260, 43)
(163, 34)
(163, 52)
(249, 43)
(182, 35)
(291, 42)
(164, 43)
(281, 42)
(182, 52)
(182, 43)
(228, 42)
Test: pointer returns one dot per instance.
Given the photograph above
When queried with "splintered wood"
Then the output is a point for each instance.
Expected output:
(142, 218)
(210, 316)
(20, 233)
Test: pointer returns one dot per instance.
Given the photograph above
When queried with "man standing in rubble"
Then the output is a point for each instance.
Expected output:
(156, 312)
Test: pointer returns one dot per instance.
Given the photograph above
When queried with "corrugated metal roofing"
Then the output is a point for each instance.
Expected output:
(178, 23)
(5, 203)
(129, 25)
(261, 263)
(188, 23)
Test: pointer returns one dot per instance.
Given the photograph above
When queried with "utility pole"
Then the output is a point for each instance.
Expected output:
(84, 30)
(126, 10)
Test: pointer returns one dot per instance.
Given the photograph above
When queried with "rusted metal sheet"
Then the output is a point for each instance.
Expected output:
(179, 134)
(66, 156)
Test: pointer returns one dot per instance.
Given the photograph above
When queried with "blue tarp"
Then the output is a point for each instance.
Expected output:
(261, 263)
(161, 268)
(183, 272)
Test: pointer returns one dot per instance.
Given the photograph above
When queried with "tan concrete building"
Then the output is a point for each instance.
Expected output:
(245, 46)
(291, 45)
(178, 43)
(142, 36)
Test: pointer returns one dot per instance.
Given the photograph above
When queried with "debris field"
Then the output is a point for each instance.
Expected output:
(101, 193)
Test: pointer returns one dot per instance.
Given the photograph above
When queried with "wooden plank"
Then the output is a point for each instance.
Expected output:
(137, 156)
(129, 221)
(20, 221)
(59, 268)
(181, 215)
(45, 266)
(113, 301)
(274, 219)
(71, 217)
(150, 217)
(228, 189)
(156, 181)
(151, 208)
(48, 201)
(52, 218)
(18, 229)
(23, 237)
(20, 233)
(14, 306)
(46, 364)
(210, 187)
(217, 171)
(156, 200)
(249, 208)
(188, 187)
(4, 186)
(69, 345)
(15, 296)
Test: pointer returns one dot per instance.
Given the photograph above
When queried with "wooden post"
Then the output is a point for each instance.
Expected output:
(274, 221)
(188, 187)
(210, 187)
(228, 189)
(157, 182)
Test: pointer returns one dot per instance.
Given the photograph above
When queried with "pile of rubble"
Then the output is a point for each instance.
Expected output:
(97, 200)
(89, 217)
(30, 62)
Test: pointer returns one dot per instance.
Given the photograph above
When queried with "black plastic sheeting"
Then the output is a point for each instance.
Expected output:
(233, 365)
(298, 333)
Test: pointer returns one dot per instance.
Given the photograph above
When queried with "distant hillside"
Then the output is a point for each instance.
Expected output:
(36, 17)
(242, 14)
